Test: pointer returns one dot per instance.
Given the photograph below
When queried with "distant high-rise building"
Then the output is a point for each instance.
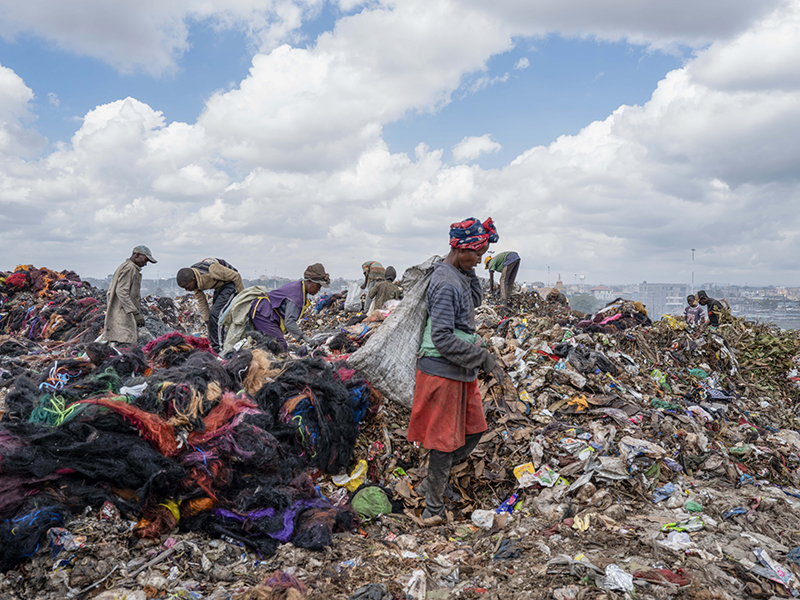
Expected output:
(663, 298)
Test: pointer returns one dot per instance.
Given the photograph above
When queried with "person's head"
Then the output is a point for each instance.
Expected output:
(186, 279)
(141, 255)
(486, 261)
(466, 259)
(691, 299)
(553, 294)
(469, 241)
(316, 278)
(702, 297)
(391, 274)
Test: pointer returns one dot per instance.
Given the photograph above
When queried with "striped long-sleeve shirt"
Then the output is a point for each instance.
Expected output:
(451, 299)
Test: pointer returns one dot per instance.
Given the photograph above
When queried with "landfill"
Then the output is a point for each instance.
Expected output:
(625, 458)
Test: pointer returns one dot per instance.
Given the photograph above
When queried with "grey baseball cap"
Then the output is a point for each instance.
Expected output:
(146, 251)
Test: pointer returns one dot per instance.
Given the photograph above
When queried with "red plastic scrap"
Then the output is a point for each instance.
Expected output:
(662, 576)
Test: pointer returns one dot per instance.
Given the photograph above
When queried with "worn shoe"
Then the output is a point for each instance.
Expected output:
(449, 492)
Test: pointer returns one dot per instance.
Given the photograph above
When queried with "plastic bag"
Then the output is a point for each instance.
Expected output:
(353, 301)
(388, 361)
(353, 481)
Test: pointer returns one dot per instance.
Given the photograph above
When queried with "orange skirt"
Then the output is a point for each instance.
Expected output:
(444, 411)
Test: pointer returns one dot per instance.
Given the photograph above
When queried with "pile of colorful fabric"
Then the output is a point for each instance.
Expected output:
(44, 305)
(177, 439)
(616, 316)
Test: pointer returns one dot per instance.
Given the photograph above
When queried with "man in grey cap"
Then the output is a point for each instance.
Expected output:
(123, 315)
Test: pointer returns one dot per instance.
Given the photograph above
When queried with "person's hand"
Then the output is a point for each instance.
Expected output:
(363, 285)
(492, 366)
(139, 319)
(499, 373)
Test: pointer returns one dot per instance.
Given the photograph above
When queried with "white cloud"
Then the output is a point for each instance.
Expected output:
(657, 24)
(522, 64)
(471, 148)
(764, 57)
(290, 167)
(483, 82)
(148, 34)
(52, 98)
(321, 107)
(16, 140)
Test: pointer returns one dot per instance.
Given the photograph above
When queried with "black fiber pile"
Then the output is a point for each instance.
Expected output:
(169, 435)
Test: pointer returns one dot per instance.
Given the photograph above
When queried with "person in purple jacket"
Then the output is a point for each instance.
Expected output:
(277, 313)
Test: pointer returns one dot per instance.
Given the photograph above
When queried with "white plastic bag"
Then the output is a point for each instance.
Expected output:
(353, 301)
(388, 361)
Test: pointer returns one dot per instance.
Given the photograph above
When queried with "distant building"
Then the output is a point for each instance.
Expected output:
(603, 293)
(663, 298)
(538, 284)
(559, 283)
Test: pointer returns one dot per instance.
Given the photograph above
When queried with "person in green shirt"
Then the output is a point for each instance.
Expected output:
(507, 264)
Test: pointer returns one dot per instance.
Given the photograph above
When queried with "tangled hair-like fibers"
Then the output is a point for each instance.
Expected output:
(22, 535)
(21, 399)
(311, 413)
(128, 363)
(237, 366)
(266, 343)
(185, 393)
(251, 369)
(106, 450)
(174, 348)
(156, 521)
(153, 428)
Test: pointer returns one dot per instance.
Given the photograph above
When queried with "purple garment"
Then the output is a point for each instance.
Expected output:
(285, 534)
(265, 315)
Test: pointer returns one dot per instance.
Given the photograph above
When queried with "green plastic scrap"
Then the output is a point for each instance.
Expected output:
(371, 502)
(691, 524)
(661, 379)
(656, 403)
(699, 373)
(742, 451)
(693, 506)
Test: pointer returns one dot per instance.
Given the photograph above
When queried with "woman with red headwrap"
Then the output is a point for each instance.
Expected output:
(447, 414)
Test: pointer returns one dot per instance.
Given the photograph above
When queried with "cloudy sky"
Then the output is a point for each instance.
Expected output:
(606, 139)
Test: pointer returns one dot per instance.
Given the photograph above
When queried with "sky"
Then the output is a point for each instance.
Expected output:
(605, 139)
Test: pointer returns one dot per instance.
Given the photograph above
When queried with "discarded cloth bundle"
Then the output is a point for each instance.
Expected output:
(312, 413)
(184, 393)
(172, 445)
(174, 348)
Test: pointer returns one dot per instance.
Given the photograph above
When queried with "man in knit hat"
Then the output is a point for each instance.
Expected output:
(277, 312)
(123, 316)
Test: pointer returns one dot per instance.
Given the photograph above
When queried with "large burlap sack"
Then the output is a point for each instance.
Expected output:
(388, 361)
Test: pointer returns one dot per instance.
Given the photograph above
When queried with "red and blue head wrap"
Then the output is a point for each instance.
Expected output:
(471, 234)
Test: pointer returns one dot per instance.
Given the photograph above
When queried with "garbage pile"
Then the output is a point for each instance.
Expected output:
(638, 455)
(44, 305)
(623, 459)
(146, 442)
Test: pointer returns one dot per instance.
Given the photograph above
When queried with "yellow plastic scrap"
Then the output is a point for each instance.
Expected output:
(353, 481)
(673, 323)
(173, 507)
(582, 524)
(580, 401)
